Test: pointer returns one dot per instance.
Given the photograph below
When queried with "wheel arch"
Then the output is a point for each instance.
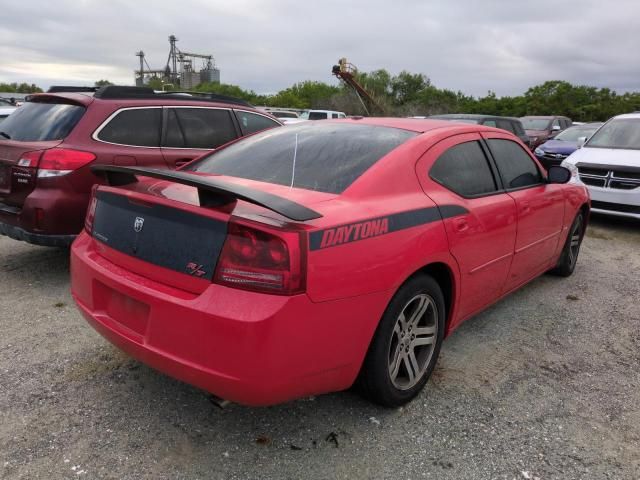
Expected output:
(585, 209)
(443, 274)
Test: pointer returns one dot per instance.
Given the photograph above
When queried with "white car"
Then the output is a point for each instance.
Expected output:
(609, 164)
(5, 111)
(322, 115)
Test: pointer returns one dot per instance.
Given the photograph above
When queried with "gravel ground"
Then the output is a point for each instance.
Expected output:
(545, 384)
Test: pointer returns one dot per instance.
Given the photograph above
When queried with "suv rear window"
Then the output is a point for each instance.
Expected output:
(252, 122)
(325, 157)
(38, 121)
(139, 127)
(203, 128)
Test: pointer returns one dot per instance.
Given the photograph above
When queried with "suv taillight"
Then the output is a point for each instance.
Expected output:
(91, 211)
(262, 261)
(61, 161)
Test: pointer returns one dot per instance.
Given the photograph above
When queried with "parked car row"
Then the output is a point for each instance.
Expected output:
(264, 242)
(509, 124)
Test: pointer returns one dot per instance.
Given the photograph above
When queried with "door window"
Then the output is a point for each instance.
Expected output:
(139, 127)
(489, 123)
(199, 128)
(556, 123)
(516, 167)
(464, 169)
(252, 122)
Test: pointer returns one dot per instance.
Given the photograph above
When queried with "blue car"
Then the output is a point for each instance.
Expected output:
(554, 151)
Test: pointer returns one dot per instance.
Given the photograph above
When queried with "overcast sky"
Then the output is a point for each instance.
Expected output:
(474, 46)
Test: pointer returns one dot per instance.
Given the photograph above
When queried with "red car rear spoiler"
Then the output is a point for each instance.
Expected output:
(211, 191)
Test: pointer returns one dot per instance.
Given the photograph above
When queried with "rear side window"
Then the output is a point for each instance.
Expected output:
(139, 127)
(325, 157)
(505, 125)
(252, 122)
(317, 115)
(464, 169)
(516, 167)
(36, 121)
(203, 128)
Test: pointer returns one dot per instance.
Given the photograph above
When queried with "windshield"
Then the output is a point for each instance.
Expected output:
(618, 133)
(34, 122)
(323, 156)
(572, 134)
(535, 123)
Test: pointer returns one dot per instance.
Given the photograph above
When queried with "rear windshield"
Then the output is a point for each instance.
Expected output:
(35, 121)
(535, 123)
(326, 157)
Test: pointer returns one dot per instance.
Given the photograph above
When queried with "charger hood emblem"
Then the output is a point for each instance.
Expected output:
(138, 224)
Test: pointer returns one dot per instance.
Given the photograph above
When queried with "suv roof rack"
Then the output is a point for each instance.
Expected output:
(71, 89)
(146, 93)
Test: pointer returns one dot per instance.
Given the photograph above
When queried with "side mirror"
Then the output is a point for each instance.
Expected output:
(581, 141)
(558, 174)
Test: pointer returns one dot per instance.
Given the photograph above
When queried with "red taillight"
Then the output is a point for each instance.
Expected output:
(29, 159)
(257, 260)
(60, 161)
(91, 211)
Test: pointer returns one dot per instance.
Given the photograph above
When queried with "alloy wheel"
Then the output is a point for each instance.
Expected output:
(574, 245)
(413, 341)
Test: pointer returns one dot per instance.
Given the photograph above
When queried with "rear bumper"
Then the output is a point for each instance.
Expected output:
(18, 233)
(251, 348)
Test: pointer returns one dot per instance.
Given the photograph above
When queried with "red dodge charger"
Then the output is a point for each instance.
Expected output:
(305, 259)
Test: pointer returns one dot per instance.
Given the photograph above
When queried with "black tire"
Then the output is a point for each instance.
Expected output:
(375, 380)
(569, 256)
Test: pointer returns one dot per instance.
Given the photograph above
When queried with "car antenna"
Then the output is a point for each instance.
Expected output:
(295, 154)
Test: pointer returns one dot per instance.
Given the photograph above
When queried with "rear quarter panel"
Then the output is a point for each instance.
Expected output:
(341, 265)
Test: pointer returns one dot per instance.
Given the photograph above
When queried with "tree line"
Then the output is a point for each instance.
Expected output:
(19, 88)
(408, 94)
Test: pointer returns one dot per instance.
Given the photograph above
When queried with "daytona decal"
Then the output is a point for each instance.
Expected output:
(374, 227)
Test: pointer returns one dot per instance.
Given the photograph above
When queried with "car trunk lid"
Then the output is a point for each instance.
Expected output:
(139, 231)
(176, 227)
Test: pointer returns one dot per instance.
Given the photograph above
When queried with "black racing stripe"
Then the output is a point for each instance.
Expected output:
(448, 211)
(374, 227)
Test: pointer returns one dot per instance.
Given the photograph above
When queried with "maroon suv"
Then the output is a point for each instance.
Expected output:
(48, 145)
